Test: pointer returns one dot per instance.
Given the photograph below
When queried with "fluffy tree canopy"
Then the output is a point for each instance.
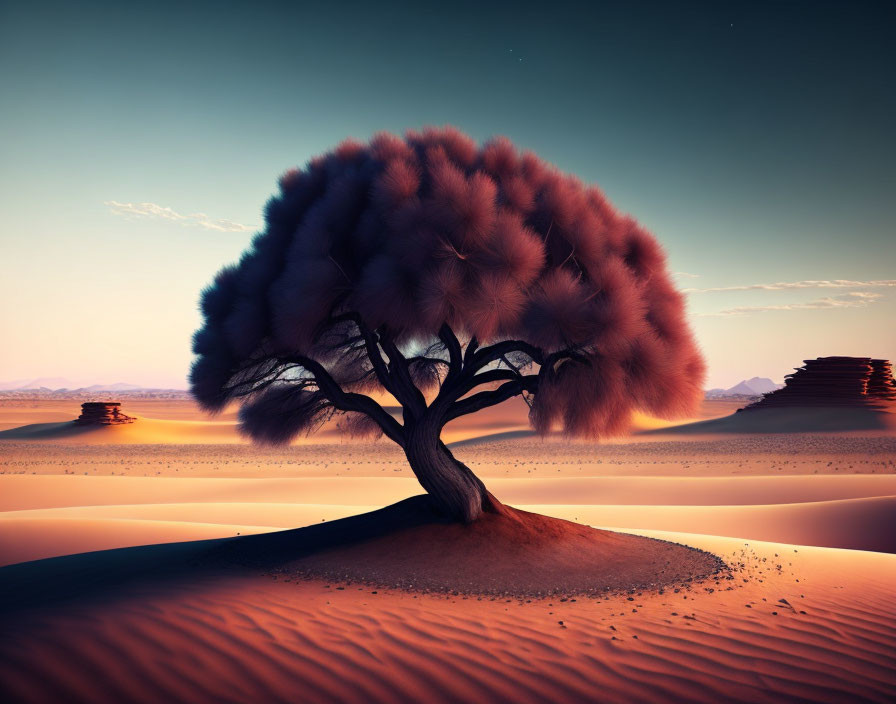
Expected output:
(428, 262)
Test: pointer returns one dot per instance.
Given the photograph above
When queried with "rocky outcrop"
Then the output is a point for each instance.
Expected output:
(103, 413)
(881, 383)
(859, 382)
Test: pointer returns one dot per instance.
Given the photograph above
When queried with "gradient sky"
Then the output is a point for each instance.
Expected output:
(756, 140)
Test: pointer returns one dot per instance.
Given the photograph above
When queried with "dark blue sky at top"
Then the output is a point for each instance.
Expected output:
(755, 139)
(781, 113)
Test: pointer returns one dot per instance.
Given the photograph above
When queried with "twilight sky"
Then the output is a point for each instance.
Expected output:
(139, 144)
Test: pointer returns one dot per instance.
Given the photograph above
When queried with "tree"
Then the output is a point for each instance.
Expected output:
(451, 277)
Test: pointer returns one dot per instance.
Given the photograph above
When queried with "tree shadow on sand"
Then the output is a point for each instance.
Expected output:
(405, 546)
(43, 431)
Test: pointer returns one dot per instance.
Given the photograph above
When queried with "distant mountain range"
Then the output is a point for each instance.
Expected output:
(748, 387)
(59, 383)
(51, 382)
(120, 386)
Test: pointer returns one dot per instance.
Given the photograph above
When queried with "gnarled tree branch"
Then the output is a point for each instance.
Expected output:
(371, 344)
(350, 401)
(406, 391)
(449, 339)
(493, 353)
(484, 399)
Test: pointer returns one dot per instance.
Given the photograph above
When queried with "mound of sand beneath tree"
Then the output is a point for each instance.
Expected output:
(406, 546)
(409, 546)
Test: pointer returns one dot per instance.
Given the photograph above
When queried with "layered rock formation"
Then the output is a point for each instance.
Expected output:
(858, 382)
(103, 413)
(881, 383)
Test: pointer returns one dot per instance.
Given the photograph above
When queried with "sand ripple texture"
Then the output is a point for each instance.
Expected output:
(807, 624)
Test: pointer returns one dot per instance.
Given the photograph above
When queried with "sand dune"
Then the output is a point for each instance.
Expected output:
(180, 422)
(795, 624)
(683, 456)
(17, 412)
(856, 524)
(790, 420)
(109, 626)
(37, 538)
(45, 516)
(26, 492)
(268, 515)
(23, 492)
(691, 491)
(144, 431)
(184, 510)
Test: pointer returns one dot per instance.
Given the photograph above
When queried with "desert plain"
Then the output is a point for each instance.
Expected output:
(800, 609)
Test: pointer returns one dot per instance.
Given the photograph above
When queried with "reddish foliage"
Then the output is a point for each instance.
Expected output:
(430, 229)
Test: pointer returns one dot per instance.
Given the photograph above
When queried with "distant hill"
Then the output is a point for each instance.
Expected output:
(57, 383)
(45, 382)
(754, 387)
(748, 387)
(98, 392)
(60, 388)
(119, 386)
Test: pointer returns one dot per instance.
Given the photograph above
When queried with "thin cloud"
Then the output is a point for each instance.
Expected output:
(787, 285)
(152, 210)
(685, 275)
(854, 299)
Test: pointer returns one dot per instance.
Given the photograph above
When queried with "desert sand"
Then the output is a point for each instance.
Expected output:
(179, 421)
(803, 517)
(812, 624)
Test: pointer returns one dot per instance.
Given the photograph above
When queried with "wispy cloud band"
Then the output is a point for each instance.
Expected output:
(854, 299)
(788, 285)
(152, 210)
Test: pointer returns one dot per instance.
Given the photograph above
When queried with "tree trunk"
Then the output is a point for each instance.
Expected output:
(454, 489)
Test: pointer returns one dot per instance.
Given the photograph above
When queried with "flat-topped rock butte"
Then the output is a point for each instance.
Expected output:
(103, 413)
(826, 394)
(835, 381)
